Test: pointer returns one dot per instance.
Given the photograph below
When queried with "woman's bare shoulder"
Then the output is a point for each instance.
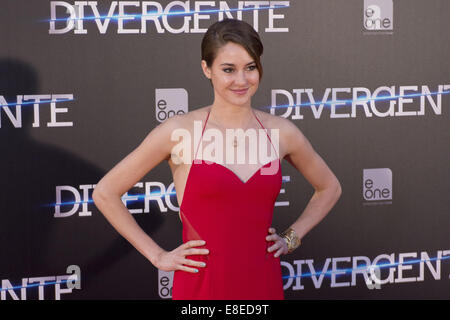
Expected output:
(290, 134)
(273, 121)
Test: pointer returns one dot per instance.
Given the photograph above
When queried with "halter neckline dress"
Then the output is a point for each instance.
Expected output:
(233, 217)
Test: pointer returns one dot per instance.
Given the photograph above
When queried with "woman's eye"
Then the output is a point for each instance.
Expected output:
(228, 70)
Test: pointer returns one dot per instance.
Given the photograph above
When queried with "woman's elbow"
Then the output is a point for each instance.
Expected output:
(338, 190)
(98, 195)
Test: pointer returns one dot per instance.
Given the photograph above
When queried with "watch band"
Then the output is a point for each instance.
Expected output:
(292, 240)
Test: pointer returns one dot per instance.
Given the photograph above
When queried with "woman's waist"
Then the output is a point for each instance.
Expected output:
(251, 233)
(245, 243)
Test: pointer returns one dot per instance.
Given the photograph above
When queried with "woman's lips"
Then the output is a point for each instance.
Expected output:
(240, 92)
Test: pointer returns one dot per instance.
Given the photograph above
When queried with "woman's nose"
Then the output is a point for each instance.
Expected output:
(241, 77)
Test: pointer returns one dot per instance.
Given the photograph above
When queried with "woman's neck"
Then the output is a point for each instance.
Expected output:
(231, 116)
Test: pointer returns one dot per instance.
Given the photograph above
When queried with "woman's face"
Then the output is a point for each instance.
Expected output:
(234, 74)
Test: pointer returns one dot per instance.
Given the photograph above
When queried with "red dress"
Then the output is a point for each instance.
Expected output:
(233, 217)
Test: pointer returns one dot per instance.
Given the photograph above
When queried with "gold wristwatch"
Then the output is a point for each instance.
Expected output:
(292, 240)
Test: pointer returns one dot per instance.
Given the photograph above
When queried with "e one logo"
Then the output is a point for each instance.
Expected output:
(377, 184)
(170, 102)
(378, 14)
(165, 281)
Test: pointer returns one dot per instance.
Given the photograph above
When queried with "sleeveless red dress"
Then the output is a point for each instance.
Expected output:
(233, 217)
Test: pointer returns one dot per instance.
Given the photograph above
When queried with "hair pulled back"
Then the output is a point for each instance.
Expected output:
(232, 30)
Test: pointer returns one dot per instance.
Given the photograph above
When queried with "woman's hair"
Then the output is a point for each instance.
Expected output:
(232, 30)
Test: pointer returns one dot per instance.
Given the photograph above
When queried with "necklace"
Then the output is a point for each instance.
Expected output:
(235, 141)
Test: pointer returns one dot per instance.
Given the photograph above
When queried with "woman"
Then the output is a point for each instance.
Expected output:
(229, 250)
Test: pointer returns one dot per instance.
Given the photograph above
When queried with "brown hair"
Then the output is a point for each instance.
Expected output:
(232, 30)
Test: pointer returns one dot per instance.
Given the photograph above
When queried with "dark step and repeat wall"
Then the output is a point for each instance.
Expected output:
(366, 81)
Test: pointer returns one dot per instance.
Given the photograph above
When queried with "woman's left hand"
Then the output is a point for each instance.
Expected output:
(280, 244)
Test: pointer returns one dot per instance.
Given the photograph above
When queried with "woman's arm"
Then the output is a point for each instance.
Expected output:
(302, 156)
(155, 148)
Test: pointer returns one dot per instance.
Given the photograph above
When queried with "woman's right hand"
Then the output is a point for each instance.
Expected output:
(176, 259)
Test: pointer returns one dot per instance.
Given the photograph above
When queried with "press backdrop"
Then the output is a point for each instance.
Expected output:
(83, 83)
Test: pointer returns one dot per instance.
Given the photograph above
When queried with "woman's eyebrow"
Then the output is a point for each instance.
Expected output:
(231, 64)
